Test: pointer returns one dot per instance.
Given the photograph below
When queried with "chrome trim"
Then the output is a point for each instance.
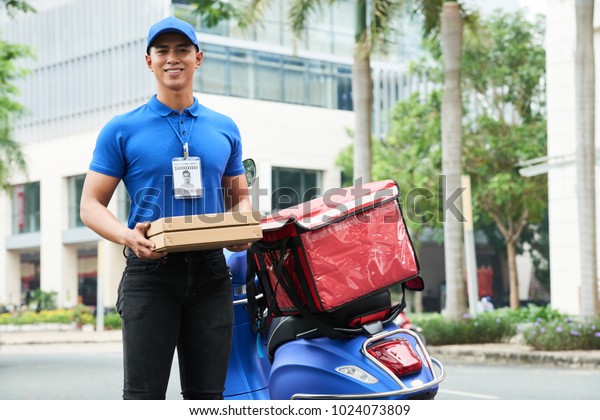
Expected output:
(244, 301)
(240, 302)
(430, 361)
(400, 392)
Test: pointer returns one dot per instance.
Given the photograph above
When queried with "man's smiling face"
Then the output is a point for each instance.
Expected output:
(173, 60)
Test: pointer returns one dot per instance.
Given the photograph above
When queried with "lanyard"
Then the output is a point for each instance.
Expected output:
(186, 153)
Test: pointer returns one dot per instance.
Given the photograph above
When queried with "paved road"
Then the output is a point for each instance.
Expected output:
(93, 371)
(66, 371)
(518, 382)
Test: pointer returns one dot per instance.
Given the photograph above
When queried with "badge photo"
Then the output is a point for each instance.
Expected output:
(187, 178)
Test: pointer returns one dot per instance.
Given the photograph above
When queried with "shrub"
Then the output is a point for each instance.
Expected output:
(487, 327)
(564, 334)
(83, 315)
(61, 316)
(41, 300)
(6, 318)
(530, 313)
(112, 321)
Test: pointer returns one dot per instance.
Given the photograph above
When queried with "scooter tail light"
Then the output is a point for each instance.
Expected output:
(397, 355)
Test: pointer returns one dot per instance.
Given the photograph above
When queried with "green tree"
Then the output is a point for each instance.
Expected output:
(505, 68)
(501, 68)
(411, 155)
(11, 156)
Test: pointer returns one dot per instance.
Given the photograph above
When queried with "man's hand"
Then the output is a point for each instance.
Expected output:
(142, 246)
(239, 248)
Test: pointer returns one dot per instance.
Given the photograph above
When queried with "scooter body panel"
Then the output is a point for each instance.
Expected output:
(309, 367)
(248, 370)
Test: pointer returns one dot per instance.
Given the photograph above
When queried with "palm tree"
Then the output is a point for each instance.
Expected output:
(451, 39)
(444, 17)
(585, 154)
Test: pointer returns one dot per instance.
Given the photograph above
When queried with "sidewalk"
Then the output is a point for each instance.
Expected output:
(467, 353)
(58, 337)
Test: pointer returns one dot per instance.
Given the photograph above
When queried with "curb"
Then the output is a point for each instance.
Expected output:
(59, 337)
(516, 353)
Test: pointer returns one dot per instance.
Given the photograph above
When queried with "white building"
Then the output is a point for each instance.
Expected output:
(293, 111)
(565, 266)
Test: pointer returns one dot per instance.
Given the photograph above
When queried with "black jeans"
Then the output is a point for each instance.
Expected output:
(180, 301)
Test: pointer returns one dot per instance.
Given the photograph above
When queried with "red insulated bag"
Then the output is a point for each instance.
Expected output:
(327, 253)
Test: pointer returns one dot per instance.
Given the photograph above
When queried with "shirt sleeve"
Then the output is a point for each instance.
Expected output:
(108, 157)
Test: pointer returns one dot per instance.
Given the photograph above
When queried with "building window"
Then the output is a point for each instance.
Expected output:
(294, 72)
(344, 88)
(320, 84)
(241, 83)
(269, 77)
(87, 277)
(294, 186)
(26, 208)
(75, 188)
(30, 275)
(214, 73)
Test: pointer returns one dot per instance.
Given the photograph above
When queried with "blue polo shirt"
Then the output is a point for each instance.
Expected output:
(138, 147)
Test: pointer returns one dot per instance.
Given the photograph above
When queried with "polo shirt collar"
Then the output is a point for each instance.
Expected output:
(161, 109)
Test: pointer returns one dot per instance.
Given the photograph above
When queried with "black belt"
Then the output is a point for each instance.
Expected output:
(184, 255)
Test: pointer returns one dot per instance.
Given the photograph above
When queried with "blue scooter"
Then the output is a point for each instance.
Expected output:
(294, 361)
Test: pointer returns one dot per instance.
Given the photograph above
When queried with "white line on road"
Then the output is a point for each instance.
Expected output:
(469, 394)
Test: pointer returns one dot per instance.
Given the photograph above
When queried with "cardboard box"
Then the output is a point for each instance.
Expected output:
(205, 231)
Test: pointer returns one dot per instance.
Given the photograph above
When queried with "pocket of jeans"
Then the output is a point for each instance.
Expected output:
(218, 265)
(118, 304)
(137, 265)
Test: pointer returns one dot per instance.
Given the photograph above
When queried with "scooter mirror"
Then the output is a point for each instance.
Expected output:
(250, 169)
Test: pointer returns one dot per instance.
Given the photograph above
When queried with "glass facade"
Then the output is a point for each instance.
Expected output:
(274, 77)
(330, 29)
(26, 208)
(267, 62)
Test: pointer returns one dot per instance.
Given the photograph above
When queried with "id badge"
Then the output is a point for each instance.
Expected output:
(187, 177)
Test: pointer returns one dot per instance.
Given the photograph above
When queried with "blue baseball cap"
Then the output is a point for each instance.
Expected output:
(172, 24)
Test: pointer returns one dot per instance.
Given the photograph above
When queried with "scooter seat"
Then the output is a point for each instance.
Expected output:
(289, 328)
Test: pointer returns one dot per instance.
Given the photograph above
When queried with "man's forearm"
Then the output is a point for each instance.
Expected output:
(242, 204)
(103, 222)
